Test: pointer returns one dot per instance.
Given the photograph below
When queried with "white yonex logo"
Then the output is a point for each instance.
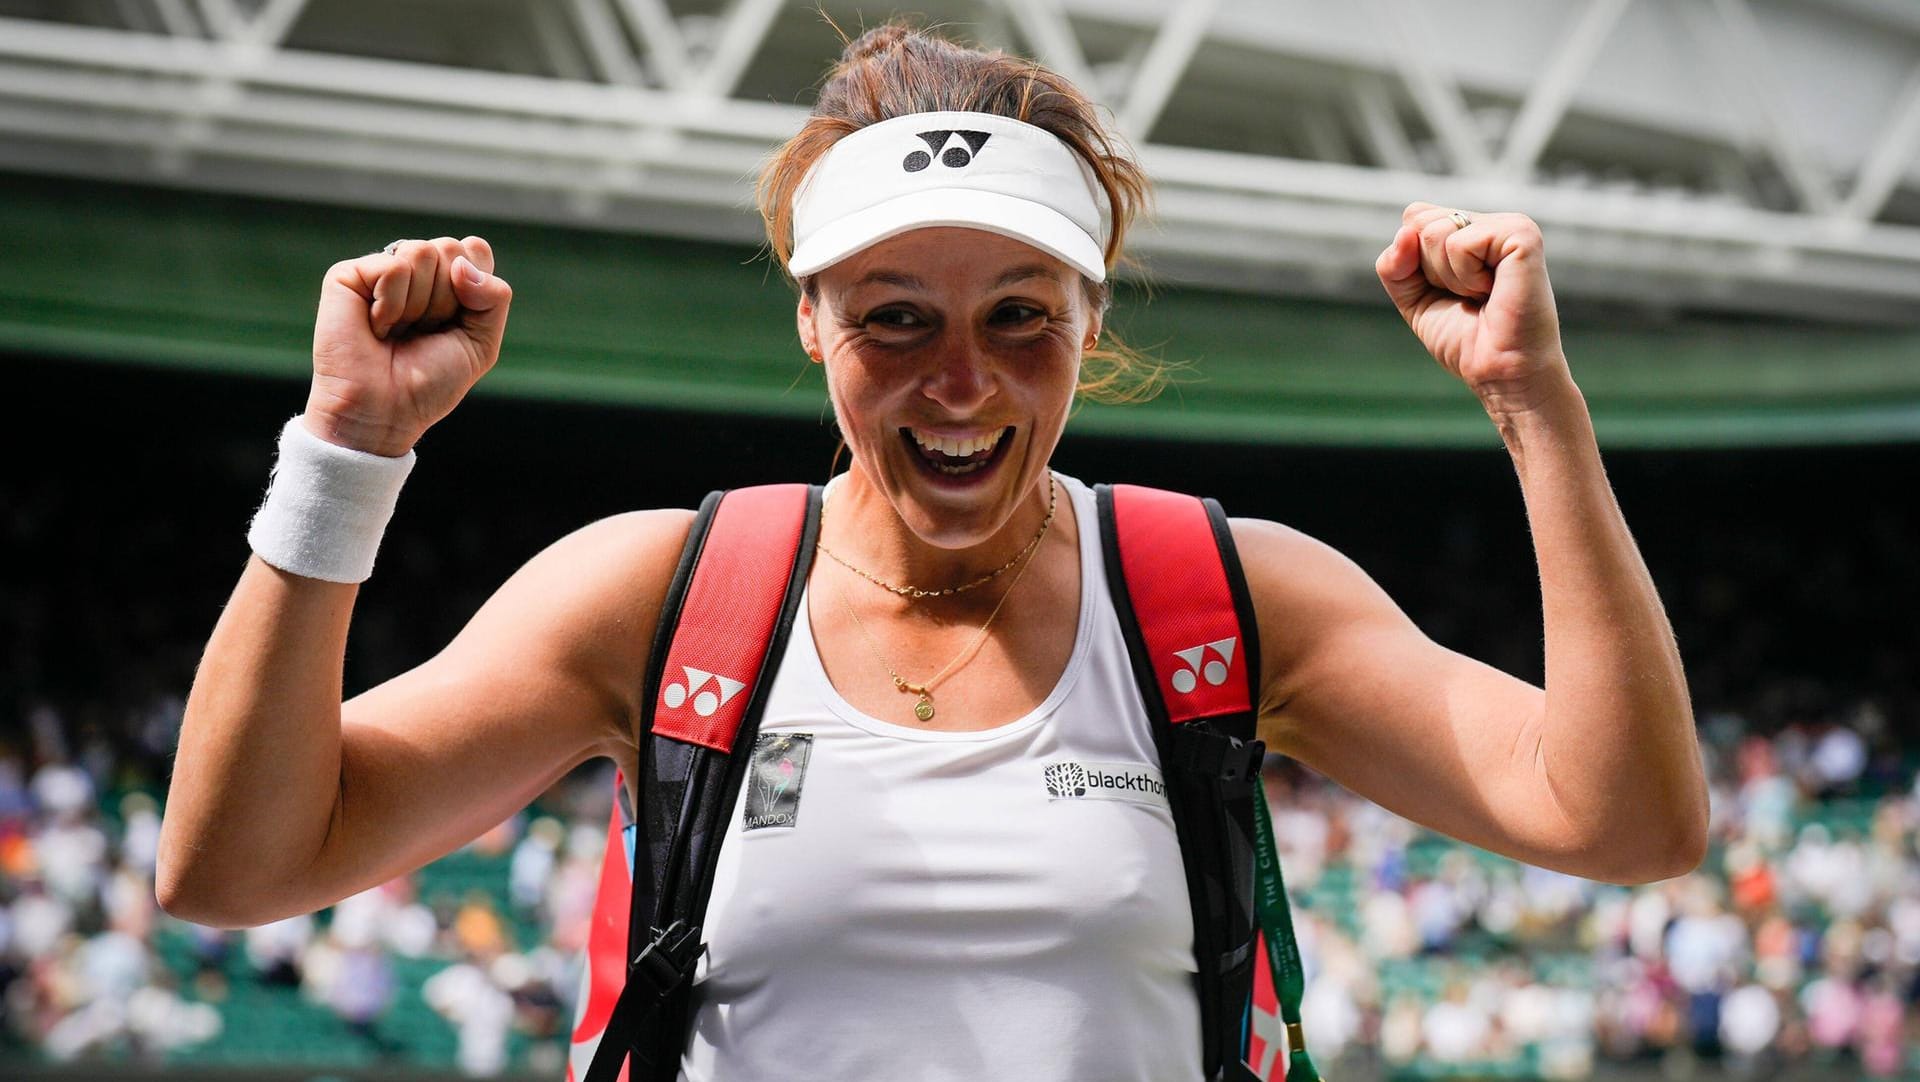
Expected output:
(954, 157)
(704, 702)
(1215, 671)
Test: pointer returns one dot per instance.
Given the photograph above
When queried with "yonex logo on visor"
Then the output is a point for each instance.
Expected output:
(971, 170)
(954, 157)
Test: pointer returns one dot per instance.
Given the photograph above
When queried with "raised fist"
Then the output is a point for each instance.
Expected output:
(1473, 286)
(400, 339)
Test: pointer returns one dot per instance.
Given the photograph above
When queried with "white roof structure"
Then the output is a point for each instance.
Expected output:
(1741, 156)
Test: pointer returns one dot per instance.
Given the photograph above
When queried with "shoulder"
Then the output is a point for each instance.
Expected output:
(607, 563)
(585, 609)
(1293, 573)
(1307, 597)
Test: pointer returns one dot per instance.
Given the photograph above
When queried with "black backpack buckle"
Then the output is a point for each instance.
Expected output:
(668, 961)
(1226, 761)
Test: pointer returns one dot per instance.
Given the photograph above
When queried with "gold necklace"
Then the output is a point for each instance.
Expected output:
(923, 709)
(916, 593)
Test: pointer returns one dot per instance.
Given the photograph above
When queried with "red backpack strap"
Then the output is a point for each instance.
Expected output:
(1183, 606)
(723, 628)
(1189, 603)
(729, 614)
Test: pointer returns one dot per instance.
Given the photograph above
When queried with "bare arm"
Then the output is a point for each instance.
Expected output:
(1597, 774)
(285, 800)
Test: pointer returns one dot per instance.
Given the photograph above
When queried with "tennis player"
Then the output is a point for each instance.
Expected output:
(951, 218)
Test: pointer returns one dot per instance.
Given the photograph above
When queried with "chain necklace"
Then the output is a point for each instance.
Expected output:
(916, 593)
(923, 709)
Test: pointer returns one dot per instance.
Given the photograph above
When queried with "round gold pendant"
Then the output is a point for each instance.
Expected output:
(923, 710)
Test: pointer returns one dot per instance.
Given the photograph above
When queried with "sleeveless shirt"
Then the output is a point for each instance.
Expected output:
(899, 903)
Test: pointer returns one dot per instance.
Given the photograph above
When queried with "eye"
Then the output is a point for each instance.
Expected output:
(894, 317)
(1016, 313)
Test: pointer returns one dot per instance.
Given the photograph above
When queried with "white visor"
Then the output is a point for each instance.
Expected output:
(973, 170)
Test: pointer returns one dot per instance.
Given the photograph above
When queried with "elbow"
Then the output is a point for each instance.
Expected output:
(1683, 857)
(172, 892)
(183, 893)
(1675, 847)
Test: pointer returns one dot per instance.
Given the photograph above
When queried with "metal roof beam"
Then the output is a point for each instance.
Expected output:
(606, 44)
(178, 18)
(1547, 102)
(1409, 42)
(1166, 61)
(742, 31)
(1047, 30)
(356, 128)
(1893, 152)
(666, 46)
(1751, 75)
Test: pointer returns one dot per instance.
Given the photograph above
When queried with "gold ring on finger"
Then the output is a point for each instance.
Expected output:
(1459, 219)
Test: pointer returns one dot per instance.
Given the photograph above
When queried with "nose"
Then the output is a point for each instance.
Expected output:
(960, 378)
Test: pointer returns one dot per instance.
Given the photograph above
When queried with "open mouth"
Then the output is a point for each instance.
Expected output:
(962, 456)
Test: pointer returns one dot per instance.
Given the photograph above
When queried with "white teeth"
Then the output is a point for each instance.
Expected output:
(955, 448)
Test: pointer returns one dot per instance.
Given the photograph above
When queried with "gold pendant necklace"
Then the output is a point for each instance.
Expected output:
(923, 709)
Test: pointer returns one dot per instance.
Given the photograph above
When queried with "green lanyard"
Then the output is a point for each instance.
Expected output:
(1283, 953)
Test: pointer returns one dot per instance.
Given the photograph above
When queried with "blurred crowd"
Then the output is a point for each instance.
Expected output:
(90, 967)
(1797, 941)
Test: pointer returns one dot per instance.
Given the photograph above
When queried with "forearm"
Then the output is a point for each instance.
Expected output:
(257, 773)
(1616, 748)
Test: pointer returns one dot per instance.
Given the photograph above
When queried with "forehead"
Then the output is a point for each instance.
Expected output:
(946, 257)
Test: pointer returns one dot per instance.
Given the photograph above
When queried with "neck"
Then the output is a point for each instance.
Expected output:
(862, 528)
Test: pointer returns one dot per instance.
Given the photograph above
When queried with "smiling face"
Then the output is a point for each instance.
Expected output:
(952, 356)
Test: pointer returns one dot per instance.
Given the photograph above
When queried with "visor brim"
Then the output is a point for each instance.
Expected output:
(967, 208)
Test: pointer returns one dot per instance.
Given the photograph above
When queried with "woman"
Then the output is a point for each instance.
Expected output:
(950, 217)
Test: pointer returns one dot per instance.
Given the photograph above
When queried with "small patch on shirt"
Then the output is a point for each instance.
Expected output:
(774, 780)
(1133, 782)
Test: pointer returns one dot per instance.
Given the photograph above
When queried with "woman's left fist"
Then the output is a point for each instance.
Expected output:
(1477, 296)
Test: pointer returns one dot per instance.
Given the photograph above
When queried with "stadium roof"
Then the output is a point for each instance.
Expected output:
(1695, 166)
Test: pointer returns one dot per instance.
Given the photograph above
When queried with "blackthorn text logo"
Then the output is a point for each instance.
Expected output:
(1136, 783)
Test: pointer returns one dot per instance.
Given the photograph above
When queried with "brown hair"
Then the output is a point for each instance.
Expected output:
(896, 69)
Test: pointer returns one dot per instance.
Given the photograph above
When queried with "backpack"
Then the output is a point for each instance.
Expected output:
(1188, 622)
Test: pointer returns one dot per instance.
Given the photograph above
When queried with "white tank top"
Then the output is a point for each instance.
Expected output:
(894, 903)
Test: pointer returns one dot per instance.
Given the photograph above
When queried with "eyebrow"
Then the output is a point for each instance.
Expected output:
(891, 278)
(1021, 274)
(908, 281)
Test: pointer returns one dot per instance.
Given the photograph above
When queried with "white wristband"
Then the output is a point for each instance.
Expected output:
(326, 507)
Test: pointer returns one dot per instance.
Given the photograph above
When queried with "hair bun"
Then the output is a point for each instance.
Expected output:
(880, 39)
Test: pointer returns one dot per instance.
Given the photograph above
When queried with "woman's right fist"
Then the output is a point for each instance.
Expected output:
(399, 340)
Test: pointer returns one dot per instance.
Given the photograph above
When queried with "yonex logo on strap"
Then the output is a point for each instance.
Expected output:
(704, 702)
(954, 157)
(1214, 671)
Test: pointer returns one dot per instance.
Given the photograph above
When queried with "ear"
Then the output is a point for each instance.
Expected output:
(803, 322)
(1095, 322)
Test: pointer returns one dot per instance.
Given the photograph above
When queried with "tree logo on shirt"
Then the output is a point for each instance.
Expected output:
(774, 779)
(1066, 779)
